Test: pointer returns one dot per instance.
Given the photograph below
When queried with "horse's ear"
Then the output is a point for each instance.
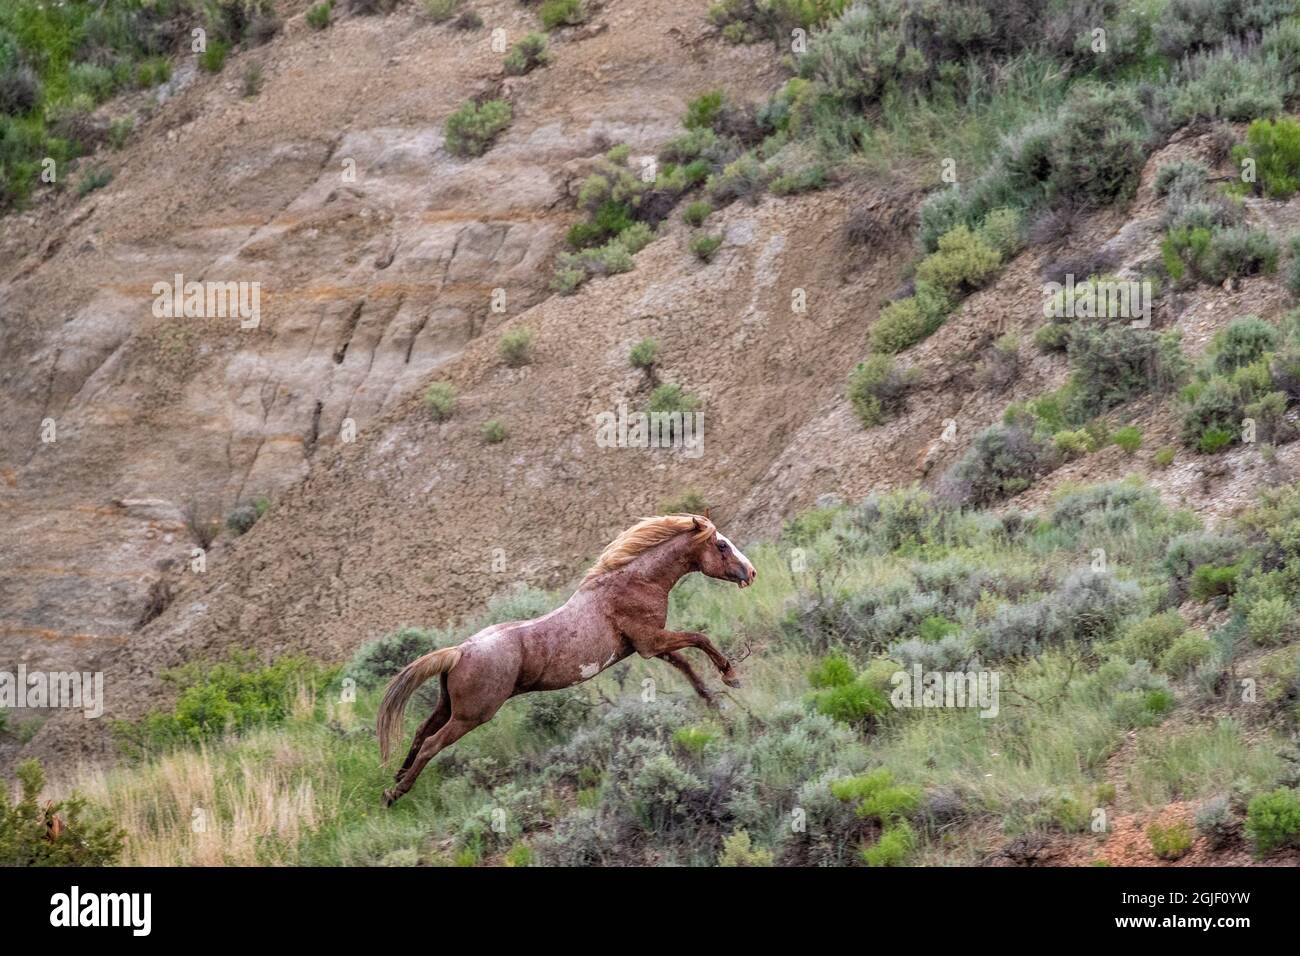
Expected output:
(700, 523)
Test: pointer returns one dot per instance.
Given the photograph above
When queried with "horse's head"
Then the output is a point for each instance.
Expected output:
(717, 557)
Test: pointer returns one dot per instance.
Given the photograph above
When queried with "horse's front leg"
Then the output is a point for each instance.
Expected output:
(683, 665)
(660, 642)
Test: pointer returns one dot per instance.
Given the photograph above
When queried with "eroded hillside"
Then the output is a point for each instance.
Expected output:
(369, 282)
(375, 287)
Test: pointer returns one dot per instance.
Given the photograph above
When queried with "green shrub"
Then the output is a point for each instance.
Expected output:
(671, 398)
(1114, 363)
(876, 797)
(95, 178)
(1164, 457)
(1002, 461)
(243, 517)
(440, 398)
(877, 389)
(693, 739)
(609, 220)
(86, 838)
(1171, 842)
(1273, 820)
(1185, 178)
(1087, 607)
(561, 13)
(691, 502)
(696, 212)
(613, 258)
(1098, 155)
(471, 130)
(1270, 621)
(1187, 552)
(635, 237)
(1239, 252)
(1243, 342)
(527, 55)
(940, 213)
(1129, 438)
(904, 322)
(1214, 439)
(213, 59)
(1183, 249)
(833, 670)
(119, 131)
(962, 262)
(1185, 654)
(377, 662)
(1151, 637)
(854, 703)
(1293, 267)
(440, 11)
(705, 246)
(1274, 145)
(1158, 701)
(20, 88)
(1214, 823)
(743, 178)
(152, 72)
(801, 180)
(746, 21)
(704, 111)
(1214, 580)
(494, 431)
(516, 347)
(521, 854)
(1052, 337)
(644, 355)
(737, 851)
(1072, 444)
(1001, 230)
(227, 697)
(894, 846)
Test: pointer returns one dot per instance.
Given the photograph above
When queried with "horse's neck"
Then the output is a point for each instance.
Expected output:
(661, 567)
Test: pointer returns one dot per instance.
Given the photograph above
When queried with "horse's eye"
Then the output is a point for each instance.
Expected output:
(722, 546)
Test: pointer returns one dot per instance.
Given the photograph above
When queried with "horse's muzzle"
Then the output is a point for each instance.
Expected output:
(744, 577)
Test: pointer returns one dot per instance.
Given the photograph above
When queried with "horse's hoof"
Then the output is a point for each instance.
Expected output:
(730, 679)
(390, 797)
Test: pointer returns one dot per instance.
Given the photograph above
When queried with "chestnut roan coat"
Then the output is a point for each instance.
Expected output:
(620, 608)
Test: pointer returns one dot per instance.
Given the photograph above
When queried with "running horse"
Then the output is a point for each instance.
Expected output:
(620, 607)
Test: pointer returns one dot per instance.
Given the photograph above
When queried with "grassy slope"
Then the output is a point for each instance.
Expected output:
(614, 779)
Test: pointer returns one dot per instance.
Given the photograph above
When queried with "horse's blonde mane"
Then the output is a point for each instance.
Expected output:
(643, 536)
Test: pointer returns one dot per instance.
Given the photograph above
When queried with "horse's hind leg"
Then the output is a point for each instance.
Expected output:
(451, 731)
(441, 714)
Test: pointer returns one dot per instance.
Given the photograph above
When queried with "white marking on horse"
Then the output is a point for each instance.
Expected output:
(590, 670)
(740, 554)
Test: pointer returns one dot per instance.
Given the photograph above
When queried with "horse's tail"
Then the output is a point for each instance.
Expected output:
(388, 722)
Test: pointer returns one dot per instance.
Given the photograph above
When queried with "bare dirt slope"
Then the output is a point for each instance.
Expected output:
(369, 283)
